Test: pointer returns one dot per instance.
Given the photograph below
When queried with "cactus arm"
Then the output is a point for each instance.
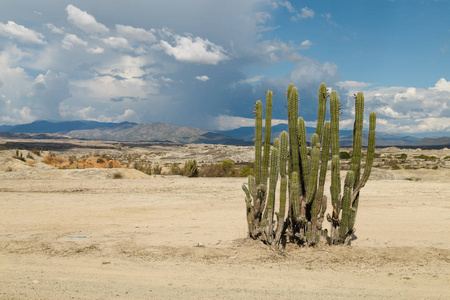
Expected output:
(367, 170)
(312, 182)
(321, 109)
(258, 141)
(335, 187)
(269, 210)
(357, 137)
(293, 130)
(283, 150)
(295, 196)
(304, 174)
(320, 206)
(267, 137)
(346, 205)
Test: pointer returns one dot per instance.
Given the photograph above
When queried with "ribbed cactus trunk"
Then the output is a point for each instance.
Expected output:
(302, 174)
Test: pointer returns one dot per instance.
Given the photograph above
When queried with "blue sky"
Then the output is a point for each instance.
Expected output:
(204, 63)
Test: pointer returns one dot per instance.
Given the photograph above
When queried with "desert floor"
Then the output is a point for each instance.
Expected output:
(78, 234)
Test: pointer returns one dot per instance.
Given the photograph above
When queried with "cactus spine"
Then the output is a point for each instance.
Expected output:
(304, 179)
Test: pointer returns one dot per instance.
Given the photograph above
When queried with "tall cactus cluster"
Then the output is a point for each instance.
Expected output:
(302, 172)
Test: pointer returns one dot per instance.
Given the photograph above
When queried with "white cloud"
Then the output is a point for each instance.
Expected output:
(71, 40)
(253, 79)
(202, 78)
(306, 44)
(95, 50)
(442, 85)
(306, 13)
(54, 29)
(409, 109)
(118, 43)
(21, 33)
(262, 17)
(225, 122)
(136, 34)
(128, 115)
(195, 50)
(85, 21)
(353, 86)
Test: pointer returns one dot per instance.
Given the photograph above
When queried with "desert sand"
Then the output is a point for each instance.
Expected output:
(79, 234)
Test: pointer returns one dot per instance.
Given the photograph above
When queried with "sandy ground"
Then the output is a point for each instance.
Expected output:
(78, 234)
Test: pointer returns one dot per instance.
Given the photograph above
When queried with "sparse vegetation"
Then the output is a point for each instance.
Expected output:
(191, 168)
(117, 175)
(413, 178)
(18, 155)
(344, 155)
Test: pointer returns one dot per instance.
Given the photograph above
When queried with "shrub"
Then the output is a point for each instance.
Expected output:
(402, 156)
(36, 152)
(18, 155)
(191, 168)
(247, 170)
(225, 169)
(395, 167)
(344, 155)
(175, 169)
(117, 175)
(157, 170)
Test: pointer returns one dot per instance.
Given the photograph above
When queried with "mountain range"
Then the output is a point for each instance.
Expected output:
(124, 132)
(166, 133)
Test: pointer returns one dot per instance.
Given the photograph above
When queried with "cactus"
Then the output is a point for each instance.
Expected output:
(283, 150)
(267, 137)
(304, 179)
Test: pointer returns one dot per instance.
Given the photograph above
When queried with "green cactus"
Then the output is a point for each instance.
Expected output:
(283, 147)
(304, 168)
(258, 140)
(270, 205)
(304, 179)
(323, 95)
(346, 205)
(267, 137)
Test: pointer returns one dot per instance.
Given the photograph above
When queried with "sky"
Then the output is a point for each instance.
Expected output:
(204, 63)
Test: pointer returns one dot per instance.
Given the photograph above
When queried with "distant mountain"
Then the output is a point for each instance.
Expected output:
(126, 132)
(160, 132)
(383, 139)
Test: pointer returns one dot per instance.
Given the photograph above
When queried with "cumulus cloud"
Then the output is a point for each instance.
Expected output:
(202, 78)
(262, 17)
(49, 90)
(21, 33)
(54, 29)
(194, 50)
(306, 44)
(226, 122)
(306, 13)
(408, 109)
(118, 43)
(71, 40)
(85, 21)
(136, 34)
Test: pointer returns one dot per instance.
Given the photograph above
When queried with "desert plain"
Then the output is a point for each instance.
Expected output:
(92, 234)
